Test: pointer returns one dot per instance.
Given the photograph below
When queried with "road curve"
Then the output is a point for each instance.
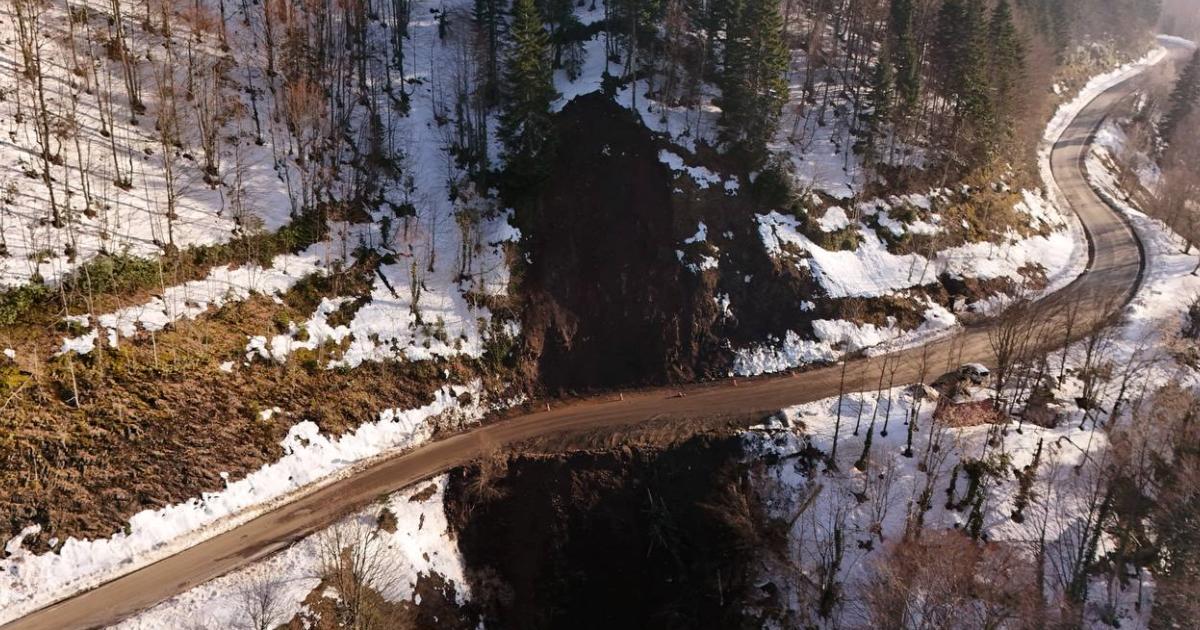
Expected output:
(1112, 277)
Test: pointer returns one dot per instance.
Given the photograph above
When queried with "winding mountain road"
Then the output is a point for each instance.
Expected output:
(1112, 277)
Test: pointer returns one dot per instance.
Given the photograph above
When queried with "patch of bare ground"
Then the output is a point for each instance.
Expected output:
(549, 540)
(39, 333)
(607, 302)
(968, 414)
(984, 212)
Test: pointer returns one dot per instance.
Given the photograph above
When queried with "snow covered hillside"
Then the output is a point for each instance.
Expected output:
(193, 156)
(221, 142)
(1028, 486)
(216, 148)
(1050, 253)
(310, 461)
(1039, 250)
(872, 484)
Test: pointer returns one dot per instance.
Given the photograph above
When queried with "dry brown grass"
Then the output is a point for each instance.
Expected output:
(968, 414)
(87, 441)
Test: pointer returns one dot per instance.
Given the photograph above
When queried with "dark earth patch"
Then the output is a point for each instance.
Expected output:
(608, 302)
(623, 538)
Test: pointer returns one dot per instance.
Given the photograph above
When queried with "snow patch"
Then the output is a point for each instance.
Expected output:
(701, 175)
(834, 219)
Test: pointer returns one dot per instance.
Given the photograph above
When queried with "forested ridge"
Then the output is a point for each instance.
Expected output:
(962, 83)
(925, 90)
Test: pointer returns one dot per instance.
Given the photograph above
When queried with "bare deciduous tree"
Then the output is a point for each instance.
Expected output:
(1007, 338)
(352, 559)
(262, 605)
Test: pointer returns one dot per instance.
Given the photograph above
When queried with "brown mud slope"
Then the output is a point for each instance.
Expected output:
(608, 302)
(626, 538)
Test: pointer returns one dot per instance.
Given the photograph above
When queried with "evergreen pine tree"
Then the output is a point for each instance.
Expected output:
(1183, 98)
(974, 100)
(1006, 61)
(904, 55)
(974, 524)
(1025, 479)
(487, 15)
(526, 126)
(753, 80)
(1050, 18)
(1006, 50)
(879, 104)
(960, 41)
(566, 32)
(949, 43)
(959, 45)
(952, 488)
(864, 460)
(908, 440)
(718, 21)
(1060, 23)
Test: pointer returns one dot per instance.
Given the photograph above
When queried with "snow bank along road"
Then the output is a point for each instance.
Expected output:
(1112, 276)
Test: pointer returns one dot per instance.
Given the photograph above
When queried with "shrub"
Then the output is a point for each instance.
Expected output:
(11, 379)
(114, 273)
(14, 303)
(281, 322)
(387, 520)
(1191, 327)
(842, 240)
(772, 188)
(499, 349)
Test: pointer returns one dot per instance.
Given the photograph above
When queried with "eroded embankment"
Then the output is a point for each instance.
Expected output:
(620, 538)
